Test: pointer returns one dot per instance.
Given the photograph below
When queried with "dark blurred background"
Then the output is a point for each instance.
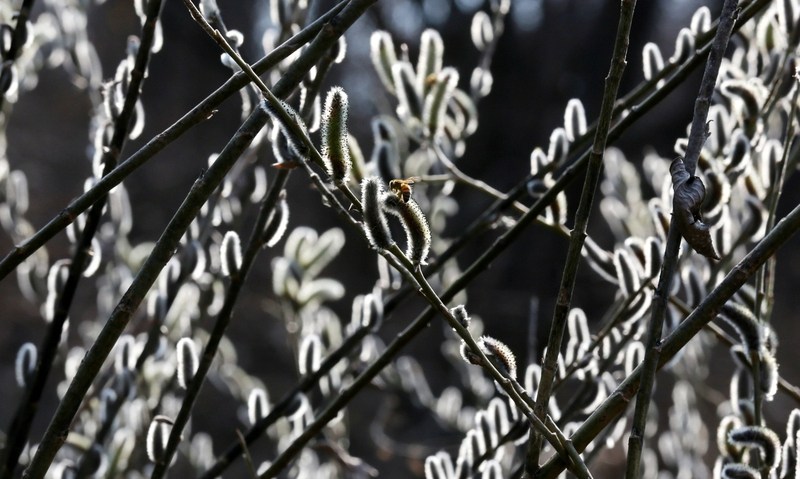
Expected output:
(551, 51)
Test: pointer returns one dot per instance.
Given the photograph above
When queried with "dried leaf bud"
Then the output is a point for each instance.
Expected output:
(335, 151)
(460, 314)
(187, 361)
(652, 61)
(574, 119)
(383, 57)
(437, 99)
(277, 223)
(431, 52)
(157, 437)
(759, 437)
(418, 233)
(230, 252)
(689, 193)
(25, 364)
(481, 30)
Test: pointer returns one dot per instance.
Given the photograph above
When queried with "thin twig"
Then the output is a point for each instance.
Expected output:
(594, 169)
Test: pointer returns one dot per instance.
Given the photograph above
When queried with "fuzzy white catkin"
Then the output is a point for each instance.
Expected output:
(652, 61)
(124, 359)
(187, 361)
(310, 355)
(157, 437)
(230, 254)
(481, 30)
(335, 152)
(559, 146)
(574, 119)
(383, 57)
(376, 227)
(418, 233)
(277, 224)
(25, 364)
(431, 53)
(257, 405)
(759, 437)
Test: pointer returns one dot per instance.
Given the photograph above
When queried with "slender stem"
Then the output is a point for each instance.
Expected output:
(578, 234)
(200, 113)
(705, 312)
(27, 408)
(697, 137)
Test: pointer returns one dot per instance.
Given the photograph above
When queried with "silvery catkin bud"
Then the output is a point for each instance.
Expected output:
(257, 405)
(187, 361)
(375, 225)
(460, 314)
(418, 233)
(383, 57)
(335, 151)
(25, 364)
(230, 252)
(500, 354)
(436, 100)
(759, 437)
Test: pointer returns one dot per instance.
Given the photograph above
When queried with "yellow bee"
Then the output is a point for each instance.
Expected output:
(402, 188)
